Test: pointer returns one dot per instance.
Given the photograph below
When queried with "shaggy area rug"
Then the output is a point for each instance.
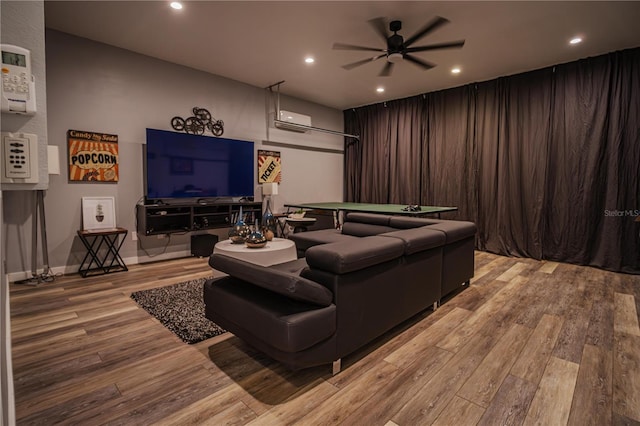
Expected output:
(180, 308)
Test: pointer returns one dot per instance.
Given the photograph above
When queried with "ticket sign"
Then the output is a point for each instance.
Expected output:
(269, 167)
(93, 157)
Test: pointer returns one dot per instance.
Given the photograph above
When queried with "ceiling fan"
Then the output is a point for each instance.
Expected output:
(397, 48)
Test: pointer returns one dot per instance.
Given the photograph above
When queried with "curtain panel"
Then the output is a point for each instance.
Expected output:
(546, 163)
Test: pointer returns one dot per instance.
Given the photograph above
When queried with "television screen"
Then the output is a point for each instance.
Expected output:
(181, 165)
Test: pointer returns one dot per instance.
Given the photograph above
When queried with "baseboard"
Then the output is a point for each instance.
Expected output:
(73, 269)
(163, 256)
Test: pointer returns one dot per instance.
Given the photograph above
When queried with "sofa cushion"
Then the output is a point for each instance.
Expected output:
(353, 255)
(401, 222)
(279, 280)
(455, 230)
(357, 229)
(371, 218)
(304, 240)
(418, 239)
(286, 324)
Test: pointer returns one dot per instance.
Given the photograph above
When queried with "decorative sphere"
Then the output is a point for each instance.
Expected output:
(268, 233)
(239, 233)
(256, 240)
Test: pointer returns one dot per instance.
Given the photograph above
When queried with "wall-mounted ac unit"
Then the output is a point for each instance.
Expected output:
(288, 121)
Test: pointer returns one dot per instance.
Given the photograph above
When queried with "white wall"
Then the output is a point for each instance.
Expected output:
(96, 87)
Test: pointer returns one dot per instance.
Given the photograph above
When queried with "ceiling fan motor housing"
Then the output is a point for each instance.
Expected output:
(395, 44)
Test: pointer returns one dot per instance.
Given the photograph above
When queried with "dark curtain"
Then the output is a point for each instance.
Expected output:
(371, 181)
(513, 123)
(594, 163)
(405, 150)
(546, 163)
(449, 164)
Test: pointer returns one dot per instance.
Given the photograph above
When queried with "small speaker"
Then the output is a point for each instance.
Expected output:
(202, 245)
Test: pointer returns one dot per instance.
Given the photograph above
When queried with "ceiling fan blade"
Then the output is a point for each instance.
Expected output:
(380, 26)
(386, 70)
(447, 45)
(362, 62)
(419, 62)
(342, 46)
(438, 21)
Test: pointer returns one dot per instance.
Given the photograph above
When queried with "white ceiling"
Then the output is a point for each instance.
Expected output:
(264, 42)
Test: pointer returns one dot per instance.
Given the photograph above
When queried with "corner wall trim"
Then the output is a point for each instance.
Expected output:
(303, 147)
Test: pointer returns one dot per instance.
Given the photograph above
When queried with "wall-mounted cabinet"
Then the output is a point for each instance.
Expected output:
(170, 218)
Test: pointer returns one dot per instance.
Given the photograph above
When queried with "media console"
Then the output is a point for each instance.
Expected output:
(154, 219)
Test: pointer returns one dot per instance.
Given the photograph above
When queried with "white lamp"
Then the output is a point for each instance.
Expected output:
(270, 188)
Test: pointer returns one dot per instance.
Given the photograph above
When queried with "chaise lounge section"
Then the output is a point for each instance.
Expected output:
(350, 287)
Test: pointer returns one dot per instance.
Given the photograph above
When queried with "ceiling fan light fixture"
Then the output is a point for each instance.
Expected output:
(394, 57)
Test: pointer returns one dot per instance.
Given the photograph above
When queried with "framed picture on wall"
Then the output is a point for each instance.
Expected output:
(93, 157)
(269, 167)
(98, 213)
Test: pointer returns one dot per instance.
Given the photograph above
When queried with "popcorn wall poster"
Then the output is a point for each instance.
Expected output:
(269, 167)
(93, 157)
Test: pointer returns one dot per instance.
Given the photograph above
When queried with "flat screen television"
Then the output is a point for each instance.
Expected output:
(181, 166)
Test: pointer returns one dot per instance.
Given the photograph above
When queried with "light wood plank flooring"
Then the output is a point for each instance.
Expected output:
(527, 343)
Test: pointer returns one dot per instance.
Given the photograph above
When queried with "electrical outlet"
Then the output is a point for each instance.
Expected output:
(134, 236)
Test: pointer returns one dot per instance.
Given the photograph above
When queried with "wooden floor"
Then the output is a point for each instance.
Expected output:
(527, 343)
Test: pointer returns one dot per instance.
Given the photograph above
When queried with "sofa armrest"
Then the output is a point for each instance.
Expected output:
(280, 281)
(353, 255)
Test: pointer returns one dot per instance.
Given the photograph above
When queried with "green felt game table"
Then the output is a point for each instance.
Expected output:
(373, 208)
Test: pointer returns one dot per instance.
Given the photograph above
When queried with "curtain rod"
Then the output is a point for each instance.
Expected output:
(303, 147)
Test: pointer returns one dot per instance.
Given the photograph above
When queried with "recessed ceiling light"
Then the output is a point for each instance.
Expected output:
(575, 40)
(455, 70)
(380, 89)
(176, 5)
(309, 60)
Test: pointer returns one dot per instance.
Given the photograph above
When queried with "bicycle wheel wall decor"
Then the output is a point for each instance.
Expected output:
(200, 121)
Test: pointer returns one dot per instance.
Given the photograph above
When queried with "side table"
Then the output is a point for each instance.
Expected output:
(106, 261)
(281, 224)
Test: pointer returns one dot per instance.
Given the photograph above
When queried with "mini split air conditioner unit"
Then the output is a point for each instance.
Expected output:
(290, 121)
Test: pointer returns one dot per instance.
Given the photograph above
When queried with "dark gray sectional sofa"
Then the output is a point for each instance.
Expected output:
(348, 287)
